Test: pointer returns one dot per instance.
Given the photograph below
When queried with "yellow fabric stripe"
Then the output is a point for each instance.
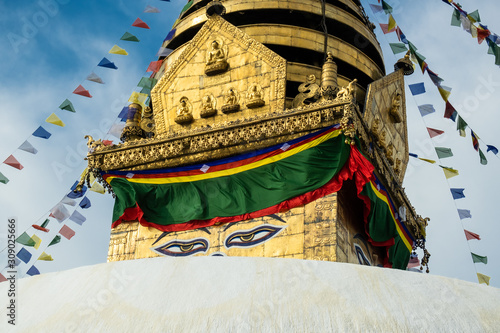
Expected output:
(384, 198)
(232, 171)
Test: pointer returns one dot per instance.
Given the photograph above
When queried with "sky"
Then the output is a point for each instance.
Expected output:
(50, 46)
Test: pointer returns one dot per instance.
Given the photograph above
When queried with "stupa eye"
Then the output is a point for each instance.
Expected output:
(253, 237)
(177, 248)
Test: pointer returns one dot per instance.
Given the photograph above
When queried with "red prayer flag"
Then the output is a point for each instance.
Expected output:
(11, 160)
(2, 278)
(482, 34)
(449, 110)
(67, 232)
(434, 132)
(37, 227)
(140, 24)
(154, 66)
(107, 142)
(385, 28)
(470, 235)
(82, 91)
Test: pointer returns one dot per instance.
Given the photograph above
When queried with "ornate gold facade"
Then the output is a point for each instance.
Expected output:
(228, 90)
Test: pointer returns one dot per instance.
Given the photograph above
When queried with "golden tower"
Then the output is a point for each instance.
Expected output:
(244, 77)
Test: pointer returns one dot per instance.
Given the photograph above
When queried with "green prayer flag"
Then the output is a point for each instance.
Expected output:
(386, 7)
(67, 105)
(461, 125)
(413, 48)
(477, 258)
(45, 223)
(475, 16)
(147, 82)
(26, 240)
(129, 37)
(187, 6)
(482, 158)
(398, 47)
(56, 240)
(3, 179)
(455, 19)
(443, 152)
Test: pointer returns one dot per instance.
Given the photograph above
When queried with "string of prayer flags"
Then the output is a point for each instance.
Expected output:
(77, 217)
(45, 257)
(54, 120)
(464, 213)
(449, 172)
(85, 203)
(59, 212)
(37, 240)
(477, 258)
(450, 112)
(426, 109)
(13, 162)
(461, 125)
(55, 240)
(398, 48)
(417, 88)
(170, 35)
(67, 232)
(151, 9)
(140, 24)
(470, 235)
(26, 240)
(483, 279)
(28, 147)
(82, 91)
(67, 105)
(443, 152)
(106, 63)
(33, 271)
(24, 255)
(385, 6)
(129, 37)
(42, 227)
(493, 149)
(154, 66)
(475, 141)
(385, 28)
(434, 132)
(41, 132)
(94, 78)
(117, 50)
(3, 179)
(457, 193)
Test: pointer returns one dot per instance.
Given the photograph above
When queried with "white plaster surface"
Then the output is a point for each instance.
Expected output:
(230, 294)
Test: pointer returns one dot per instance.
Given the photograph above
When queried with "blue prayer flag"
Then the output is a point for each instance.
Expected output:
(41, 133)
(457, 193)
(106, 63)
(24, 255)
(170, 35)
(417, 88)
(33, 271)
(493, 149)
(85, 203)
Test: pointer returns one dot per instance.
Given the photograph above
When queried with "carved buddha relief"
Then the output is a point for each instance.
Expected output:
(208, 106)
(254, 96)
(231, 101)
(184, 114)
(216, 58)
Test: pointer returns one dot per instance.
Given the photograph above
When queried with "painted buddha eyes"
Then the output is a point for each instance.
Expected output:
(252, 237)
(177, 248)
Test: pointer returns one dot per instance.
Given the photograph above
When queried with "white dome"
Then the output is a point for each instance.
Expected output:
(236, 294)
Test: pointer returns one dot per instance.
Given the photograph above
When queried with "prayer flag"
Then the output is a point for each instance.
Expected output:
(147, 82)
(94, 78)
(59, 212)
(426, 109)
(444, 92)
(37, 240)
(67, 232)
(129, 37)
(482, 158)
(151, 9)
(398, 47)
(470, 235)
(461, 125)
(3, 179)
(96, 187)
(154, 66)
(163, 52)
(68, 201)
(24, 255)
(385, 28)
(392, 23)
(170, 35)
(85, 203)
(464, 213)
(25, 239)
(33, 271)
(76, 194)
(117, 129)
(26, 146)
(55, 120)
(42, 227)
(376, 8)
(46, 257)
(449, 172)
(67, 105)
(483, 278)
(457, 193)
(434, 132)
(474, 16)
(107, 142)
(417, 88)
(477, 258)
(55, 240)
(77, 217)
(414, 261)
(413, 155)
(82, 91)
(140, 24)
(455, 19)
(137, 97)
(11, 160)
(493, 149)
(386, 7)
(187, 6)
(117, 50)
(427, 160)
(123, 113)
(450, 112)
(2, 278)
(401, 35)
(40, 132)
(106, 63)
(434, 78)
(443, 152)
(475, 141)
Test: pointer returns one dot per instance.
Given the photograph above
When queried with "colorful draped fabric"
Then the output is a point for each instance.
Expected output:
(252, 185)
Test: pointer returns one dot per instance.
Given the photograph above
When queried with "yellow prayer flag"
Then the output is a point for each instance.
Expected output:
(53, 119)
(445, 94)
(45, 256)
(96, 187)
(426, 160)
(449, 172)
(137, 97)
(392, 23)
(473, 31)
(37, 240)
(483, 278)
(117, 50)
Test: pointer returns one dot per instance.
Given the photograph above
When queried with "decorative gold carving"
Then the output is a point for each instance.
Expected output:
(132, 130)
(208, 106)
(308, 89)
(148, 122)
(389, 152)
(184, 114)
(216, 58)
(254, 96)
(395, 111)
(231, 101)
(329, 85)
(348, 93)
